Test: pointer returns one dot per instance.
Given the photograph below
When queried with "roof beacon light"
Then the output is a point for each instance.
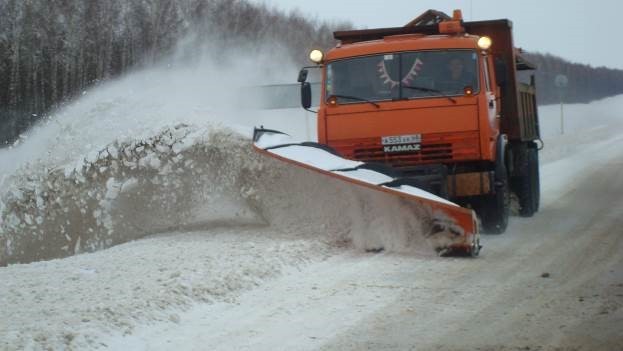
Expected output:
(453, 25)
(457, 15)
(484, 43)
(316, 56)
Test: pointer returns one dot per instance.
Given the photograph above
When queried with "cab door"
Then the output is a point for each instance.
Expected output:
(491, 99)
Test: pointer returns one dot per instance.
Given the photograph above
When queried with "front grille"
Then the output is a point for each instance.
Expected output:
(435, 148)
(427, 153)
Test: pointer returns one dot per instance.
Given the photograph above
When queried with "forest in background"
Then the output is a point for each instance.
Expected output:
(52, 50)
(585, 83)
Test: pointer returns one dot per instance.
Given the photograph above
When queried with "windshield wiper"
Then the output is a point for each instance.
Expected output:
(356, 98)
(430, 90)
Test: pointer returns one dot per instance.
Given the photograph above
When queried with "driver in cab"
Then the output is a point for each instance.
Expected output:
(458, 77)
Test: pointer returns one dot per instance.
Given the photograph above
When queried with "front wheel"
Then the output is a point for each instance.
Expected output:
(495, 208)
(528, 189)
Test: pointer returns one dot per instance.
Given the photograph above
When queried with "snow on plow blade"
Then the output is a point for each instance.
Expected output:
(461, 223)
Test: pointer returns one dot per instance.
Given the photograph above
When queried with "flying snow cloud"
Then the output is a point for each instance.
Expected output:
(201, 83)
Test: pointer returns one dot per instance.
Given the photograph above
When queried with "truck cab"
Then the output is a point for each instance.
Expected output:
(438, 101)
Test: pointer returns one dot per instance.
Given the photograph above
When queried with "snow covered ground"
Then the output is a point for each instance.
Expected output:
(245, 253)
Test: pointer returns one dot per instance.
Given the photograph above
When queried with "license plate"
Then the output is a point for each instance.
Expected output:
(401, 139)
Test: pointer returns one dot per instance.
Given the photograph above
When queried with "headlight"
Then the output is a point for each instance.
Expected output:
(484, 43)
(316, 56)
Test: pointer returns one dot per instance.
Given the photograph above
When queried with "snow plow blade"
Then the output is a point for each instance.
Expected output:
(447, 217)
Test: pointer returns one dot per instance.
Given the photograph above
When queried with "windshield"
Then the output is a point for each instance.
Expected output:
(407, 75)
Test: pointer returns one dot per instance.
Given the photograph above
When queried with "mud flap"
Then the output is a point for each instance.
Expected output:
(460, 223)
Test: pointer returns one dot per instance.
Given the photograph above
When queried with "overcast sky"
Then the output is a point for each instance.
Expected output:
(577, 30)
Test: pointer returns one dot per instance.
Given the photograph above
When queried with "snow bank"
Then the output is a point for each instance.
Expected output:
(580, 118)
(584, 125)
(183, 178)
(71, 304)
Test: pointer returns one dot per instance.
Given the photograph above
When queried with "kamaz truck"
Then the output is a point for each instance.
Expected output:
(440, 101)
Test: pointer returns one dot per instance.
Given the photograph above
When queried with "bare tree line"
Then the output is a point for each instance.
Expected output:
(51, 50)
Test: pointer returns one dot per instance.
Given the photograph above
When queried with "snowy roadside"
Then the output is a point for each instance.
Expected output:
(71, 303)
(583, 125)
(300, 310)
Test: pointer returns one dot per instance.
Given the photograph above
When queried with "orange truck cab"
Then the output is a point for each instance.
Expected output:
(438, 100)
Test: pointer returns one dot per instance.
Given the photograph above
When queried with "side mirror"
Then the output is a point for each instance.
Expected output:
(500, 72)
(306, 95)
(302, 76)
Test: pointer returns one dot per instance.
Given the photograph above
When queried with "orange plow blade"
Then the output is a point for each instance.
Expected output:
(460, 224)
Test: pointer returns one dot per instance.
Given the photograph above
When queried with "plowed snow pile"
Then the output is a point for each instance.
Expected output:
(184, 178)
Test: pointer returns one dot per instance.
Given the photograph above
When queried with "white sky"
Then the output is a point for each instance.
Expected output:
(577, 30)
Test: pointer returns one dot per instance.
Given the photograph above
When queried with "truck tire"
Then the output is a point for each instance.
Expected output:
(528, 187)
(495, 208)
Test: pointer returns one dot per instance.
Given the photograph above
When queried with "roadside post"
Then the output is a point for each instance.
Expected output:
(561, 81)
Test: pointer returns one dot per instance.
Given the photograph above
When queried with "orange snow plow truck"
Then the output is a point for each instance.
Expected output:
(439, 101)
